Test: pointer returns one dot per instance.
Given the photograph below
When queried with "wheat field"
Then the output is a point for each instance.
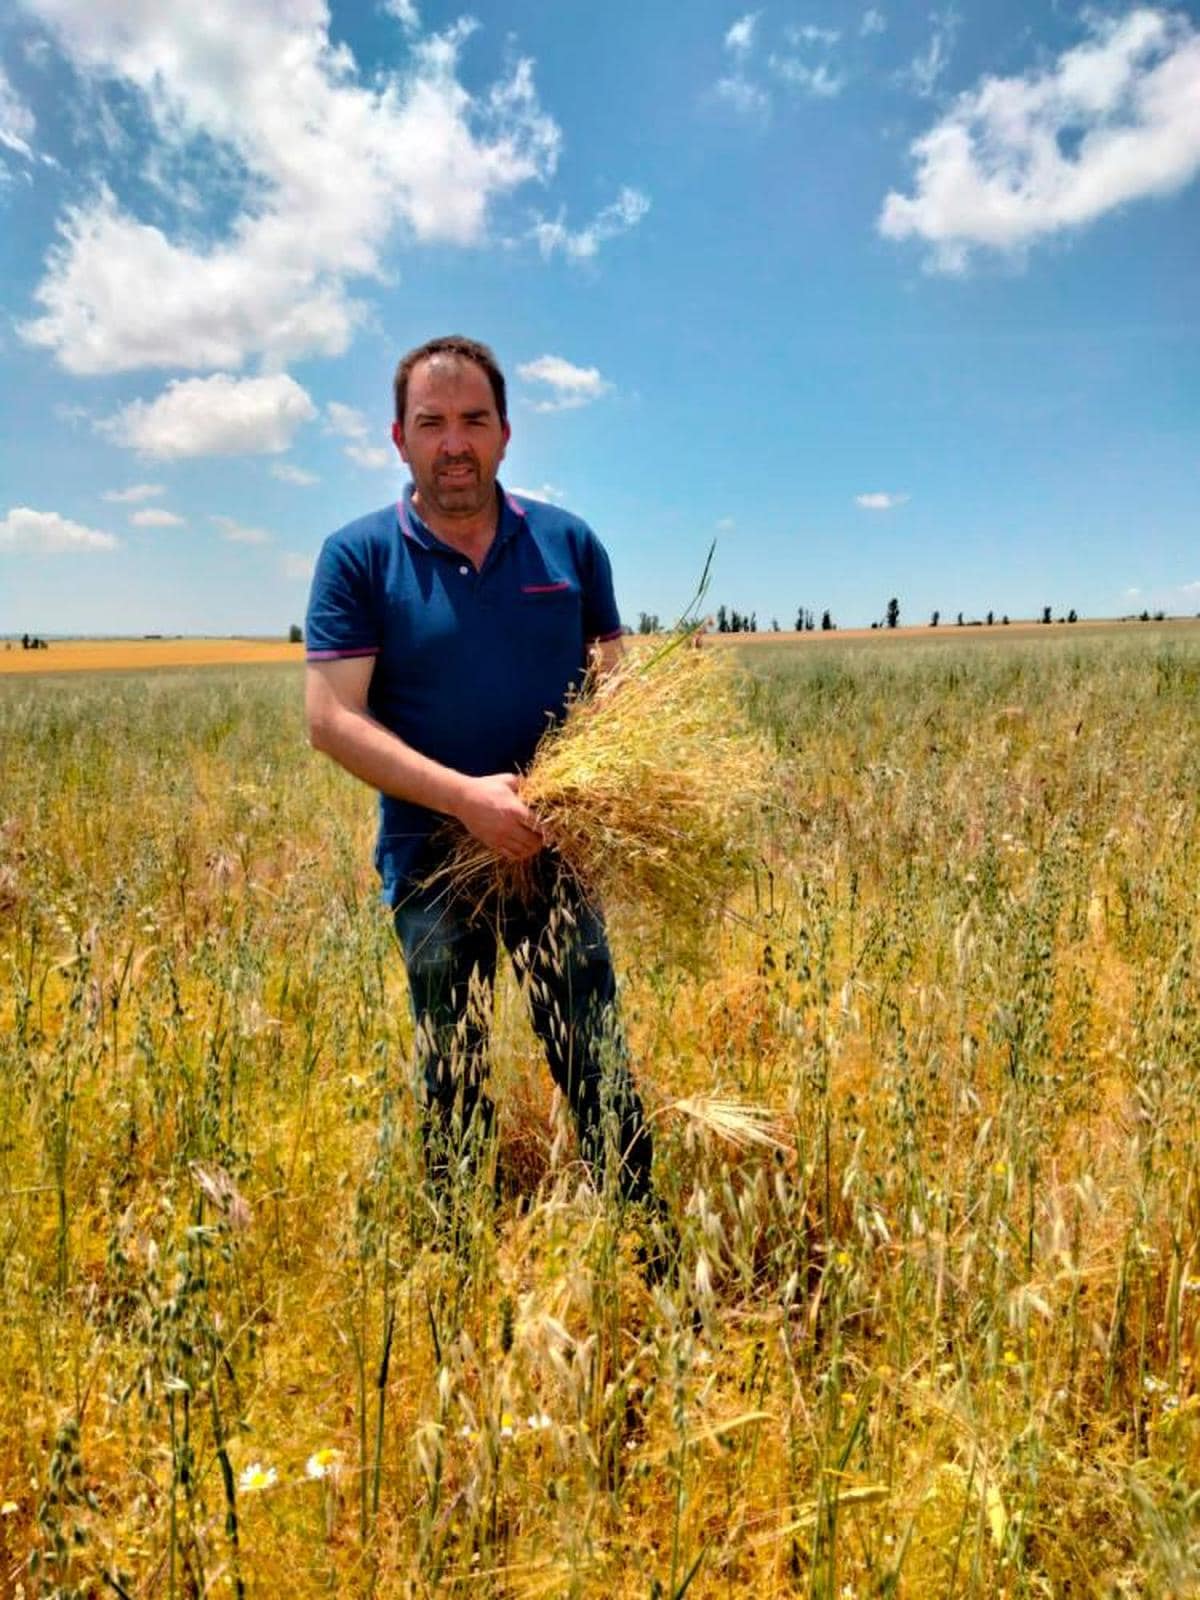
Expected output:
(937, 1335)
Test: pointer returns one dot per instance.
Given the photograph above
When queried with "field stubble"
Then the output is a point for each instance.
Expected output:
(942, 1343)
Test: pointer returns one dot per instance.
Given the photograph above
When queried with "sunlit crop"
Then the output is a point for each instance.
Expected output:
(935, 1333)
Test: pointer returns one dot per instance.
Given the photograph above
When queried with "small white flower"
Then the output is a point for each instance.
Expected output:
(324, 1463)
(255, 1478)
(538, 1422)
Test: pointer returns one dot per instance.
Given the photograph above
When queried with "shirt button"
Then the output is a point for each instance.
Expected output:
(465, 571)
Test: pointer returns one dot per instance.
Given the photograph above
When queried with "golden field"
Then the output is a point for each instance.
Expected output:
(942, 1341)
(141, 655)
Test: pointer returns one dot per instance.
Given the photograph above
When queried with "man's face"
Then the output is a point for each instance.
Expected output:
(451, 436)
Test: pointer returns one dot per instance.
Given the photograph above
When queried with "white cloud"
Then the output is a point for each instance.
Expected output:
(626, 211)
(405, 13)
(16, 121)
(1018, 159)
(237, 533)
(345, 421)
(548, 492)
(217, 416)
(873, 21)
(295, 567)
(879, 501)
(286, 473)
(747, 98)
(572, 386)
(45, 533)
(135, 494)
(156, 517)
(375, 456)
(739, 41)
(817, 81)
(330, 169)
(808, 33)
(924, 70)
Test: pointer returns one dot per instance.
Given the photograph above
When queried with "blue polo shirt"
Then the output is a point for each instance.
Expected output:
(470, 667)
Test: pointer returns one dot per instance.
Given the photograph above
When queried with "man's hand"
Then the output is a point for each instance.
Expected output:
(492, 810)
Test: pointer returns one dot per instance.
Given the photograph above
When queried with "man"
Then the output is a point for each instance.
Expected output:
(442, 635)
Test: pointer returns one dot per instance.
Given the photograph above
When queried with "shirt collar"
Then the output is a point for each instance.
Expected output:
(512, 519)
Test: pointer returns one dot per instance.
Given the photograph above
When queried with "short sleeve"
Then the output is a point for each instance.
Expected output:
(341, 616)
(601, 619)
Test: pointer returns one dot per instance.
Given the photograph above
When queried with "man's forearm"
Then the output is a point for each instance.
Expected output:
(368, 750)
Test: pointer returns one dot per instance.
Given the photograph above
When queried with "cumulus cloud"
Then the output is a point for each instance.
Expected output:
(235, 532)
(345, 421)
(286, 473)
(571, 386)
(879, 501)
(24, 531)
(625, 212)
(134, 494)
(217, 416)
(739, 41)
(330, 169)
(873, 21)
(405, 13)
(1016, 160)
(375, 456)
(156, 517)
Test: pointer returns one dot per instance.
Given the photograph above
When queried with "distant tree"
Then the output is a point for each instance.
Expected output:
(1045, 613)
(828, 625)
(874, 625)
(935, 619)
(1145, 617)
(1159, 616)
(1004, 620)
(991, 617)
(648, 622)
(295, 634)
(1071, 615)
(960, 619)
(800, 620)
(752, 625)
(722, 620)
(893, 612)
(24, 641)
(774, 624)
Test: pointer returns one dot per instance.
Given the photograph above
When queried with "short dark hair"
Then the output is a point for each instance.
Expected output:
(451, 344)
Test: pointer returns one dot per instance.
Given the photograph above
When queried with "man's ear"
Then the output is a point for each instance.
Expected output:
(398, 439)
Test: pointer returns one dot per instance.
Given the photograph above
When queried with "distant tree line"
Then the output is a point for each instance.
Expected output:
(729, 620)
(30, 641)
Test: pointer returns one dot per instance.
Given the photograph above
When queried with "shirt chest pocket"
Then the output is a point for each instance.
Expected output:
(550, 614)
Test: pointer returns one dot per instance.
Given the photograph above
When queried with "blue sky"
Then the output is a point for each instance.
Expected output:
(888, 300)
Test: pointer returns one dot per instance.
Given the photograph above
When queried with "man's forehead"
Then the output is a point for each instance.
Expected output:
(444, 372)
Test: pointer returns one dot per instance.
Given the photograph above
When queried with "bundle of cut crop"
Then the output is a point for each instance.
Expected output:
(650, 788)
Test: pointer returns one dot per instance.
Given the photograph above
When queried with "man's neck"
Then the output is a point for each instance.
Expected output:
(472, 535)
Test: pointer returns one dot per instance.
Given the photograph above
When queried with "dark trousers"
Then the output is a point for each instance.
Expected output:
(560, 953)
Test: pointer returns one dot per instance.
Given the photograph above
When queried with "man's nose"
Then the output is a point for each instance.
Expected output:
(454, 439)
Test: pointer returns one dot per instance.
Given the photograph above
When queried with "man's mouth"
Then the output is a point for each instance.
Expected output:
(458, 472)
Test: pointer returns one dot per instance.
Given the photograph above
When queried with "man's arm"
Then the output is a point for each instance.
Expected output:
(605, 656)
(339, 725)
